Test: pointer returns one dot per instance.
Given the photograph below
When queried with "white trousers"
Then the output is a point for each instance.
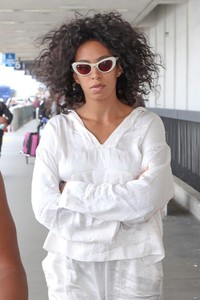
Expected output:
(68, 279)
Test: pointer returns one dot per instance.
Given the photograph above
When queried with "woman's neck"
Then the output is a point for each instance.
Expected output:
(104, 111)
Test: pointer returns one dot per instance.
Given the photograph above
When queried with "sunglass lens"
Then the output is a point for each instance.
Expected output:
(83, 69)
(106, 65)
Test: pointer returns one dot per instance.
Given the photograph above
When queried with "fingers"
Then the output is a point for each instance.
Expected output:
(62, 185)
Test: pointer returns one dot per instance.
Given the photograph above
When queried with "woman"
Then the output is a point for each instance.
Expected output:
(102, 173)
(13, 281)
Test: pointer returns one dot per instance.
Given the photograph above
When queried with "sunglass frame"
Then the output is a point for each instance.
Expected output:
(96, 65)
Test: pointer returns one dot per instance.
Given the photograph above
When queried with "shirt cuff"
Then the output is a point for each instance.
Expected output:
(73, 196)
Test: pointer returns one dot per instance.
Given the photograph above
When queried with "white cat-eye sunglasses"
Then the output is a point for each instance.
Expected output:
(104, 66)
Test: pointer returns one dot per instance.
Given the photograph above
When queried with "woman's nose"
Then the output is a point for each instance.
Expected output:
(95, 73)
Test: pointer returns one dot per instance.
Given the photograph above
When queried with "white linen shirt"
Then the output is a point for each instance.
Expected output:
(107, 211)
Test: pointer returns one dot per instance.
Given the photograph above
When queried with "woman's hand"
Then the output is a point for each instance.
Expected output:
(62, 185)
(138, 177)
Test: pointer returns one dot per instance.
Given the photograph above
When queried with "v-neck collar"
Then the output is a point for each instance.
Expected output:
(115, 134)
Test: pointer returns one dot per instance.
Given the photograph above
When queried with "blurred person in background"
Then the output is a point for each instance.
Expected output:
(5, 119)
(36, 104)
(48, 108)
(44, 113)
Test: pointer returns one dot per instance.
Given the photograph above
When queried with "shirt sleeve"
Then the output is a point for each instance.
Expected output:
(46, 204)
(136, 200)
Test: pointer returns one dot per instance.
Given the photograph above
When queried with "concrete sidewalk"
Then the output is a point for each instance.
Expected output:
(181, 229)
(182, 262)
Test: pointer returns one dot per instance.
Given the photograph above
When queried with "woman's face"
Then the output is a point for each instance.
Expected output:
(96, 85)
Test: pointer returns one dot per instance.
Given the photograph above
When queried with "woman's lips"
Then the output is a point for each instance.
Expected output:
(97, 87)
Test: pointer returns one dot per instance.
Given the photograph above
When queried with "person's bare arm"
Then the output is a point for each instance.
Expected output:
(13, 281)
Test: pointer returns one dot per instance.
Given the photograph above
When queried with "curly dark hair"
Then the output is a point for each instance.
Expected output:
(140, 69)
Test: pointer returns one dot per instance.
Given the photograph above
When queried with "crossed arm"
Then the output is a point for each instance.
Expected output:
(76, 208)
(13, 281)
